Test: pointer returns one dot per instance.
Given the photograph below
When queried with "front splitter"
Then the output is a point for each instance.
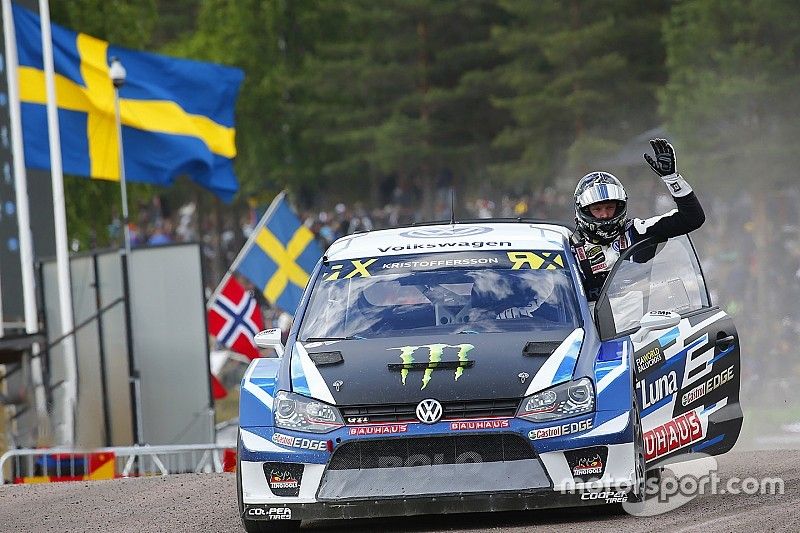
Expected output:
(473, 503)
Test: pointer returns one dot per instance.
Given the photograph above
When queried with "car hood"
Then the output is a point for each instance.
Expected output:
(444, 367)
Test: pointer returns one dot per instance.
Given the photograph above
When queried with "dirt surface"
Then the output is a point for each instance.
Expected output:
(207, 502)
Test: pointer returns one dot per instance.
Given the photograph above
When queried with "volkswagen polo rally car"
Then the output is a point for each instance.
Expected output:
(460, 368)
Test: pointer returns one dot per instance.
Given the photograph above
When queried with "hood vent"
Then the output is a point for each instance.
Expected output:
(326, 358)
(540, 349)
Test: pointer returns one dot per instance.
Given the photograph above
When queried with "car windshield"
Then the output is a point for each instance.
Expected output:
(475, 292)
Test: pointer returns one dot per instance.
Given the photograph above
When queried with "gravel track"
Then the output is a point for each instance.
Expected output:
(207, 502)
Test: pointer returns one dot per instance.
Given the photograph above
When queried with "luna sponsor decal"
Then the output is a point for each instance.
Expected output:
(478, 424)
(658, 389)
(383, 429)
(434, 360)
(298, 442)
(649, 359)
(673, 435)
(707, 386)
(560, 431)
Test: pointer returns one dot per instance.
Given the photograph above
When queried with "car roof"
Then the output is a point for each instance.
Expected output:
(482, 235)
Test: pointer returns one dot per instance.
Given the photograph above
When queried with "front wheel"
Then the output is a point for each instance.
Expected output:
(639, 473)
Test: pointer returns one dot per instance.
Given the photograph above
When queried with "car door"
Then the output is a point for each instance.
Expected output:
(686, 376)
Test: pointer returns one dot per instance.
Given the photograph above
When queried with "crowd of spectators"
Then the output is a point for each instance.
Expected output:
(752, 273)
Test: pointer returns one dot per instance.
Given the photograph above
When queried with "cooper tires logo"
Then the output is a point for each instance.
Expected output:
(273, 513)
(429, 411)
(438, 233)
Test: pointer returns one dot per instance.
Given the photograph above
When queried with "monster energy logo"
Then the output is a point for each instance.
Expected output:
(435, 352)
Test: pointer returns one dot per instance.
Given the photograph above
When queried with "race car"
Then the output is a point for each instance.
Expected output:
(453, 368)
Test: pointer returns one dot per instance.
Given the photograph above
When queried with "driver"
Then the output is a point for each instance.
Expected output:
(603, 228)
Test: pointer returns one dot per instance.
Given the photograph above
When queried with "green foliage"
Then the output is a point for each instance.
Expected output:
(124, 23)
(269, 40)
(580, 77)
(339, 95)
(403, 88)
(732, 97)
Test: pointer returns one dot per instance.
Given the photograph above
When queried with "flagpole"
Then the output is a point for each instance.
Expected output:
(245, 248)
(118, 74)
(23, 209)
(59, 214)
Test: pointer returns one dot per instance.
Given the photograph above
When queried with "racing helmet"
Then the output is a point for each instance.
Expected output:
(598, 187)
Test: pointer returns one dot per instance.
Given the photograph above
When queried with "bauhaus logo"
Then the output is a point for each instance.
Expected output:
(431, 357)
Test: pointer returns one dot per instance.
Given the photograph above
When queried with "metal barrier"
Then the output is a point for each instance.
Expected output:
(59, 464)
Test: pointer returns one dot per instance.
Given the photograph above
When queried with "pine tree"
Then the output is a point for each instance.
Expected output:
(581, 78)
(733, 101)
(402, 88)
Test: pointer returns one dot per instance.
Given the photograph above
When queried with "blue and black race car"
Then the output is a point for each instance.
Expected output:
(460, 368)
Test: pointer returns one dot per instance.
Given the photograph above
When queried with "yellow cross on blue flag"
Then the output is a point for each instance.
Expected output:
(281, 256)
(177, 115)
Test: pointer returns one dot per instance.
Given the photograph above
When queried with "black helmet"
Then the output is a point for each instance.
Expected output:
(600, 187)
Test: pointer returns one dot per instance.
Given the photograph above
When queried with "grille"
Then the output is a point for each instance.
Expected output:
(451, 411)
(422, 451)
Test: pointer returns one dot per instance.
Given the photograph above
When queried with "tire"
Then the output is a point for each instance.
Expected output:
(257, 526)
(640, 464)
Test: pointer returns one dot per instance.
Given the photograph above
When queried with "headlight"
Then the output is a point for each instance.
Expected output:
(562, 401)
(293, 411)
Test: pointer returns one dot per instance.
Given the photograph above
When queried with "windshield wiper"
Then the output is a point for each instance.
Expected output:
(321, 339)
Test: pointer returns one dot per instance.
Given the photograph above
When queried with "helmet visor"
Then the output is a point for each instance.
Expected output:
(601, 192)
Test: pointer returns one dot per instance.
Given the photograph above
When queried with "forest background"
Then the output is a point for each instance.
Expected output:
(352, 101)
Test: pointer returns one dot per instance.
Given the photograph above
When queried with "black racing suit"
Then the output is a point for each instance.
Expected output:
(596, 260)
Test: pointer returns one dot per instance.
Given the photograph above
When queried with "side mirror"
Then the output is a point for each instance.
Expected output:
(654, 321)
(270, 338)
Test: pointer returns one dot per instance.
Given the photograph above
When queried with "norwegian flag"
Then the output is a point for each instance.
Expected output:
(217, 388)
(234, 318)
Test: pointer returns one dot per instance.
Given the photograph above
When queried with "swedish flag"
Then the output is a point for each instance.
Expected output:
(282, 255)
(177, 115)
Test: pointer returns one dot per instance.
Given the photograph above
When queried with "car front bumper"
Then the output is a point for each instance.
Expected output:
(544, 479)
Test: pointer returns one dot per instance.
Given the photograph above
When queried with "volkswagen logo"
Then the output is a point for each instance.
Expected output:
(437, 233)
(429, 411)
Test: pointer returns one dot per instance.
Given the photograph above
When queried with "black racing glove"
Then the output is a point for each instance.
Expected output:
(666, 167)
(664, 164)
